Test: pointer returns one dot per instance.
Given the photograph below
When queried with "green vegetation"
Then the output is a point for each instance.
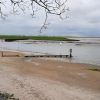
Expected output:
(95, 69)
(6, 96)
(54, 38)
(12, 37)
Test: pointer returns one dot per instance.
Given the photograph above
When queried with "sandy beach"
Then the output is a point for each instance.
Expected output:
(46, 79)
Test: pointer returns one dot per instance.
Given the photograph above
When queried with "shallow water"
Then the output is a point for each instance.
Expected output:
(85, 51)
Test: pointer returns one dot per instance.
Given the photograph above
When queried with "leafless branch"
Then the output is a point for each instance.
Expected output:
(56, 7)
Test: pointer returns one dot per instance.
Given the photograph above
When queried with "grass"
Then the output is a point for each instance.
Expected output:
(6, 96)
(53, 38)
(95, 69)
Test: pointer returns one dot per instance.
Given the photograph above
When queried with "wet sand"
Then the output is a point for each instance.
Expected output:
(45, 79)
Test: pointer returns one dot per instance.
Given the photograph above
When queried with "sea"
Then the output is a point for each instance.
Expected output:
(87, 50)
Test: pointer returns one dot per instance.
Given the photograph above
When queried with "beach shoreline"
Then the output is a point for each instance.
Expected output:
(48, 79)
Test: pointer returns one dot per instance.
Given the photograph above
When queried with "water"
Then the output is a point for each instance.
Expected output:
(85, 51)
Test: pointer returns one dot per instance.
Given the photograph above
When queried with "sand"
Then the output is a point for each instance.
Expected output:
(42, 79)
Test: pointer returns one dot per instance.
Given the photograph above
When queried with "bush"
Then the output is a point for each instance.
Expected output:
(6, 96)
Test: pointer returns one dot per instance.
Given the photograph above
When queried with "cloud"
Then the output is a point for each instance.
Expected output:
(84, 20)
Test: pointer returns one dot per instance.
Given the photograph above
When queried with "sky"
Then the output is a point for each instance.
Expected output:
(83, 20)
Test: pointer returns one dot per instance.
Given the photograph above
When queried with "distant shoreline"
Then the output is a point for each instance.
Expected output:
(54, 41)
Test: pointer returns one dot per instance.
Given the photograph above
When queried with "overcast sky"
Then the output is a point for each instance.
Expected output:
(83, 20)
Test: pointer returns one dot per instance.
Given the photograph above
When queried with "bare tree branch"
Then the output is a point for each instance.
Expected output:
(55, 7)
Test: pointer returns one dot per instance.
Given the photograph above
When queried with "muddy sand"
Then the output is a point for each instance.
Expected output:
(45, 79)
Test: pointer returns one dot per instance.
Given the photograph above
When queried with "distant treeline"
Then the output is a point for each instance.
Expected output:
(53, 38)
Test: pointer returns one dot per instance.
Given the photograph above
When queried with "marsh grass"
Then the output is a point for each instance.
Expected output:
(53, 38)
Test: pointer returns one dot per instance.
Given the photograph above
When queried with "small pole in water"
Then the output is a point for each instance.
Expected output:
(1, 53)
(2, 49)
(70, 50)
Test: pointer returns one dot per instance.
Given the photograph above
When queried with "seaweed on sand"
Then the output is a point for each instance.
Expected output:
(95, 69)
